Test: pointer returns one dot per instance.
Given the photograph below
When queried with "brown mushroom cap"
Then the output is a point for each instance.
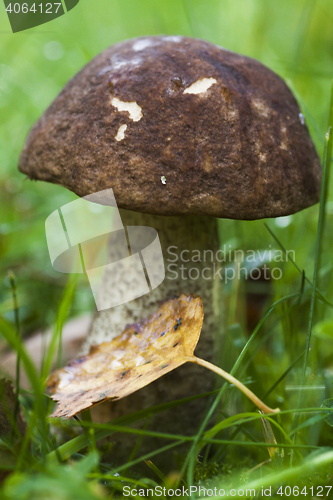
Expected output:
(232, 145)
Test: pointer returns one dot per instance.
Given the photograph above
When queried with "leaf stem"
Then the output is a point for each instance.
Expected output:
(235, 382)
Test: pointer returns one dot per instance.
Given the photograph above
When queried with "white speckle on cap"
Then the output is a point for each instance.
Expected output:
(172, 38)
(136, 61)
(119, 64)
(301, 118)
(163, 179)
(107, 69)
(200, 86)
(261, 107)
(133, 109)
(143, 44)
(284, 138)
(121, 132)
(233, 114)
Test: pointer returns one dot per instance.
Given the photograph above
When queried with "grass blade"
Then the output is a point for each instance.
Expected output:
(322, 203)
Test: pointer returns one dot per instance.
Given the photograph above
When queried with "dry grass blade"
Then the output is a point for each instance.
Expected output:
(7, 404)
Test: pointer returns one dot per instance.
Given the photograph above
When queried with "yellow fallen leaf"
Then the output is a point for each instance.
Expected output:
(142, 353)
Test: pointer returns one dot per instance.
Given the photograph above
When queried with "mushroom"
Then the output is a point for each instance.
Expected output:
(184, 132)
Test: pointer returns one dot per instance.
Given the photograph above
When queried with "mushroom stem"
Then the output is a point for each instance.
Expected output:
(189, 245)
(264, 408)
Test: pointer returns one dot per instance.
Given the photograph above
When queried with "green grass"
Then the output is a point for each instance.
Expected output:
(289, 347)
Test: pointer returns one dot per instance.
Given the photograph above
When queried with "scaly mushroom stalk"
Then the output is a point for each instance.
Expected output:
(177, 235)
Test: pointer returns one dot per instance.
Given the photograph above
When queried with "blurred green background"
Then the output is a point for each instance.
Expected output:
(292, 37)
